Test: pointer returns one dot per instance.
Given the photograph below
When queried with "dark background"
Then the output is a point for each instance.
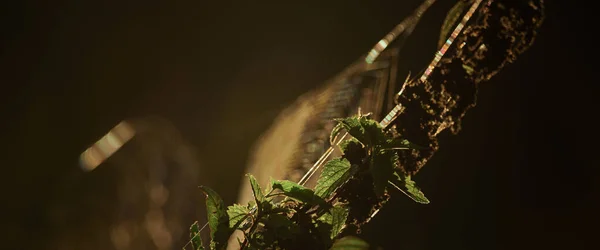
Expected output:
(522, 174)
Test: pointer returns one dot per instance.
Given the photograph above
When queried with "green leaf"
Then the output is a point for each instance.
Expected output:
(336, 217)
(218, 220)
(352, 126)
(373, 131)
(296, 191)
(237, 214)
(335, 173)
(258, 195)
(453, 15)
(409, 188)
(195, 238)
(350, 243)
(382, 169)
(366, 131)
(346, 144)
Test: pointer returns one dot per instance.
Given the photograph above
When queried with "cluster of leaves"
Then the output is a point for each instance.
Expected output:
(290, 216)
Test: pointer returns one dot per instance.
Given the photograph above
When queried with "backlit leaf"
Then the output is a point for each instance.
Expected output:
(195, 238)
(367, 131)
(352, 126)
(218, 221)
(296, 191)
(409, 188)
(335, 173)
(352, 142)
(373, 131)
(237, 214)
(336, 217)
(258, 195)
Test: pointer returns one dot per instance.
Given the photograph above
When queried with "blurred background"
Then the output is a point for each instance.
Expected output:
(205, 79)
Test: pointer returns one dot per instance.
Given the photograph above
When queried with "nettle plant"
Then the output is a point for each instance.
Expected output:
(349, 191)
(376, 161)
